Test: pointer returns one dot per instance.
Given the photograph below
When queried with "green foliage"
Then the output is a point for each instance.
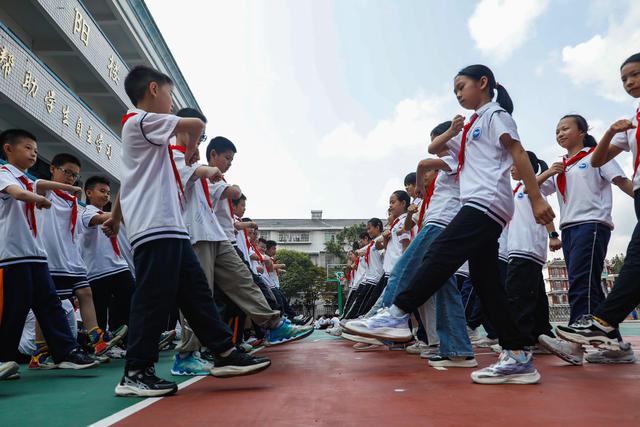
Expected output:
(303, 280)
(617, 261)
(346, 236)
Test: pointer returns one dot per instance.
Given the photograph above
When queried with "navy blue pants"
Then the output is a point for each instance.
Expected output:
(585, 247)
(168, 272)
(282, 299)
(29, 285)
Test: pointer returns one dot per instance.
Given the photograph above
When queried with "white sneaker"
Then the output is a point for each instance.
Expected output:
(418, 347)
(565, 350)
(385, 326)
(431, 351)
(474, 334)
(612, 356)
(496, 348)
(336, 331)
(359, 339)
(453, 362)
(513, 367)
(486, 342)
(116, 352)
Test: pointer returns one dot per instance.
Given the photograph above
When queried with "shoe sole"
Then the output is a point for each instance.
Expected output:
(452, 364)
(485, 345)
(188, 374)
(43, 367)
(363, 340)
(599, 342)
(564, 356)
(10, 371)
(381, 334)
(126, 390)
(166, 340)
(71, 365)
(532, 378)
(239, 371)
(610, 361)
(367, 347)
(288, 340)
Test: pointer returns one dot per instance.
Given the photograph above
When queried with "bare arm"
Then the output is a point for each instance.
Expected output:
(46, 185)
(244, 225)
(405, 244)
(439, 143)
(231, 192)
(604, 151)
(99, 219)
(189, 130)
(380, 243)
(554, 242)
(408, 221)
(208, 172)
(624, 184)
(112, 225)
(27, 196)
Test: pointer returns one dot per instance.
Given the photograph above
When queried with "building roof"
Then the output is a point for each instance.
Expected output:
(307, 224)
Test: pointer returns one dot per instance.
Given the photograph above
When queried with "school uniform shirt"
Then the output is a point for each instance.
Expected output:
(97, 251)
(503, 244)
(17, 245)
(485, 179)
(527, 239)
(197, 215)
(628, 141)
(360, 272)
(223, 210)
(375, 271)
(55, 233)
(242, 240)
(149, 193)
(587, 192)
(273, 275)
(393, 251)
(445, 201)
(126, 251)
(253, 263)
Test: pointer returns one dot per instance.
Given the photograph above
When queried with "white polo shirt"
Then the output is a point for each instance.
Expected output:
(588, 192)
(374, 268)
(628, 142)
(527, 239)
(126, 251)
(17, 244)
(360, 272)
(223, 210)
(485, 180)
(503, 244)
(97, 251)
(54, 231)
(445, 201)
(393, 251)
(242, 240)
(149, 191)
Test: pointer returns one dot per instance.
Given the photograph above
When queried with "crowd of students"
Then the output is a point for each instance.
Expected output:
(468, 248)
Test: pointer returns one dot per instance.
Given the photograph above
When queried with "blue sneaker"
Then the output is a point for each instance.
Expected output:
(286, 332)
(190, 365)
(513, 367)
(383, 326)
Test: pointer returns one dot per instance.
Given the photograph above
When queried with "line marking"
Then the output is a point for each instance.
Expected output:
(136, 407)
(440, 368)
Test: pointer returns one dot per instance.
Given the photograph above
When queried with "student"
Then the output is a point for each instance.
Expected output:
(24, 276)
(361, 269)
(167, 270)
(271, 249)
(601, 324)
(108, 272)
(487, 148)
(585, 199)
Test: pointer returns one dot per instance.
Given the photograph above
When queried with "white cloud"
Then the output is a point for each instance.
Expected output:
(595, 63)
(500, 26)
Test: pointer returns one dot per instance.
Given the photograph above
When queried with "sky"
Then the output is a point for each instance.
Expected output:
(330, 103)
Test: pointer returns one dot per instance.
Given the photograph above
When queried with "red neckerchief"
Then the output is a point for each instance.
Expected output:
(176, 174)
(274, 263)
(260, 257)
(391, 229)
(74, 210)
(636, 161)
(427, 199)
(127, 117)
(517, 188)
(203, 181)
(561, 180)
(230, 203)
(29, 207)
(366, 254)
(463, 143)
(114, 240)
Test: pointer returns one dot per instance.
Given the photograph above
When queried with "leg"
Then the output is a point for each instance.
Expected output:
(427, 314)
(101, 292)
(122, 286)
(450, 321)
(522, 289)
(15, 292)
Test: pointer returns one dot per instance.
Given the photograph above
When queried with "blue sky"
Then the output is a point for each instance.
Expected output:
(330, 102)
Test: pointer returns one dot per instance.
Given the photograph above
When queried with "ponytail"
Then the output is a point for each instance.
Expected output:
(589, 141)
(476, 72)
(583, 126)
(537, 164)
(543, 165)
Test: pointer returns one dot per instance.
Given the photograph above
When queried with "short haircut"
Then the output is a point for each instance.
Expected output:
(246, 219)
(441, 128)
(238, 200)
(355, 246)
(376, 222)
(95, 180)
(262, 240)
(364, 235)
(410, 178)
(191, 112)
(271, 244)
(633, 58)
(138, 80)
(13, 137)
(221, 145)
(64, 158)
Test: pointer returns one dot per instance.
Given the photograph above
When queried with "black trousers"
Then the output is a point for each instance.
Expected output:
(472, 236)
(528, 298)
(374, 294)
(625, 295)
(264, 288)
(112, 299)
(282, 300)
(168, 272)
(361, 293)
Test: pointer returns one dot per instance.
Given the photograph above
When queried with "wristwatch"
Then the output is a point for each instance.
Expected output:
(554, 235)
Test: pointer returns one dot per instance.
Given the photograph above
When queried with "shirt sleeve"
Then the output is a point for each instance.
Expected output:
(611, 170)
(158, 128)
(6, 179)
(187, 173)
(216, 190)
(621, 140)
(88, 213)
(502, 123)
(548, 187)
(451, 161)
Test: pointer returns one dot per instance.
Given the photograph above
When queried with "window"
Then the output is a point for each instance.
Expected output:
(264, 234)
(329, 236)
(293, 237)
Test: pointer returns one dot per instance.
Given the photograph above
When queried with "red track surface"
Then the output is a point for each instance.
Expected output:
(323, 383)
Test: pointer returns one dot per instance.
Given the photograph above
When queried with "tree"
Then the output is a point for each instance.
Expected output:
(346, 236)
(616, 263)
(302, 280)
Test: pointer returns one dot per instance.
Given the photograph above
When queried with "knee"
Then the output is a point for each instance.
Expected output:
(84, 294)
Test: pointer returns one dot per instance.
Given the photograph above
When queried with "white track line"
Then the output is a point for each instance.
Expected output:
(120, 415)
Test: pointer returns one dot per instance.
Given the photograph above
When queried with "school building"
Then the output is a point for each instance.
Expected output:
(62, 70)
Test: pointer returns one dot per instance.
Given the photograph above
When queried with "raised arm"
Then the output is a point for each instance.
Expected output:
(231, 192)
(46, 185)
(112, 225)
(624, 184)
(439, 142)
(27, 196)
(189, 130)
(604, 151)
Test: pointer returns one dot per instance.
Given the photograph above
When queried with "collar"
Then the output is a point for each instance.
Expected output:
(480, 111)
(566, 156)
(17, 173)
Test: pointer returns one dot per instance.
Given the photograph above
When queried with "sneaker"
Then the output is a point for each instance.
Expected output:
(624, 355)
(474, 334)
(360, 346)
(165, 339)
(486, 342)
(513, 367)
(496, 348)
(207, 356)
(362, 340)
(432, 350)
(191, 364)
(101, 359)
(537, 349)
(417, 347)
(383, 325)
(106, 342)
(116, 352)
(42, 360)
(15, 376)
(453, 362)
(286, 332)
(396, 346)
(567, 351)
(246, 348)
(590, 330)
(119, 334)
(78, 359)
(336, 332)
(238, 364)
(145, 384)
(8, 369)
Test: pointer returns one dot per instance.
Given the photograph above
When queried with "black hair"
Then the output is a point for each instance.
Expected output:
(633, 58)
(64, 158)
(355, 246)
(402, 196)
(262, 240)
(441, 128)
(246, 219)
(583, 126)
(191, 112)
(410, 178)
(221, 145)
(138, 80)
(13, 137)
(537, 164)
(271, 243)
(376, 222)
(95, 180)
(476, 72)
(364, 235)
(238, 200)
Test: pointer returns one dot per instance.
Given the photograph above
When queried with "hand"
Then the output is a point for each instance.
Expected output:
(75, 191)
(542, 211)
(252, 225)
(621, 126)
(195, 157)
(216, 175)
(555, 244)
(43, 203)
(413, 208)
(110, 227)
(456, 125)
(556, 168)
(386, 234)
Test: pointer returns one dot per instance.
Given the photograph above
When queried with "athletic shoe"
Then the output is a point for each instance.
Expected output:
(252, 341)
(496, 348)
(362, 340)
(486, 342)
(513, 367)
(116, 352)
(396, 346)
(78, 358)
(237, 364)
(383, 325)
(145, 384)
(245, 347)
(165, 339)
(207, 356)
(453, 362)
(537, 349)
(101, 359)
(336, 332)
(8, 369)
(360, 346)
(417, 347)
(286, 332)
(611, 356)
(190, 365)
(567, 351)
(119, 334)
(308, 321)
(590, 330)
(431, 351)
(42, 360)
(15, 376)
(474, 334)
